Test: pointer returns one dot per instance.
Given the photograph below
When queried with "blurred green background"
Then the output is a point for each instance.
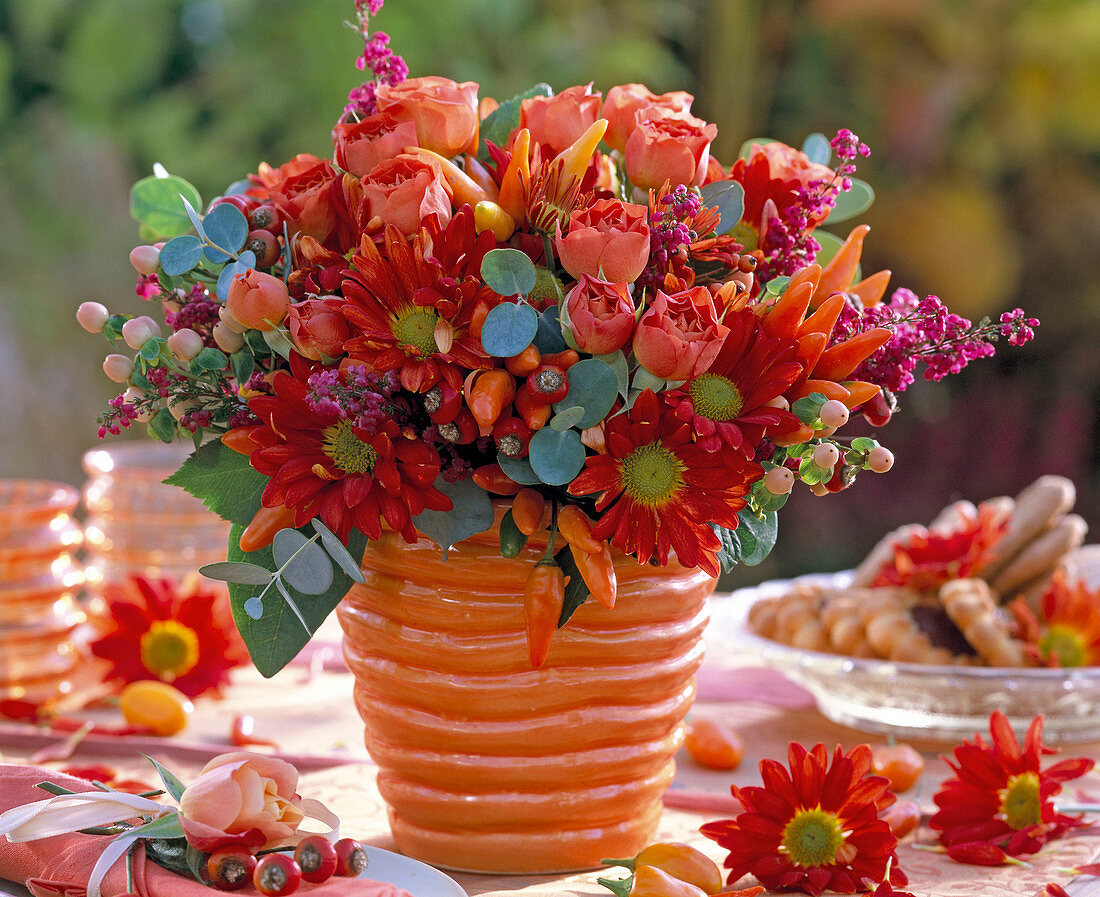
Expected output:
(982, 116)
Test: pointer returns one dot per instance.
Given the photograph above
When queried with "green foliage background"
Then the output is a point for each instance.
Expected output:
(982, 119)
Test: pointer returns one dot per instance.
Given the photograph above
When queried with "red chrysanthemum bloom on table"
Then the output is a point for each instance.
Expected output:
(928, 559)
(409, 303)
(813, 827)
(659, 491)
(1000, 798)
(728, 403)
(171, 632)
(322, 465)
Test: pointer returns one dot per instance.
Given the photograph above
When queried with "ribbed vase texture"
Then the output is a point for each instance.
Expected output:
(489, 765)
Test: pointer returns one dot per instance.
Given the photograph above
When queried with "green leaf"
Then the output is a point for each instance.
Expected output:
(180, 254)
(556, 456)
(746, 147)
(757, 535)
(729, 556)
(864, 444)
(511, 539)
(276, 637)
(518, 470)
(338, 551)
(163, 426)
(567, 417)
(729, 198)
(302, 561)
(816, 147)
(224, 481)
(852, 203)
(811, 474)
(193, 216)
(504, 119)
(161, 827)
(244, 262)
(243, 363)
(617, 362)
(238, 571)
(151, 349)
(171, 784)
(808, 408)
(210, 359)
(776, 285)
(548, 339)
(278, 341)
(576, 591)
(156, 204)
(508, 272)
(594, 386)
(472, 513)
(226, 227)
(171, 853)
(509, 328)
(196, 864)
(620, 887)
(644, 379)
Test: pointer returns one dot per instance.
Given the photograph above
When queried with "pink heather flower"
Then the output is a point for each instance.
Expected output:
(385, 65)
(148, 286)
(360, 396)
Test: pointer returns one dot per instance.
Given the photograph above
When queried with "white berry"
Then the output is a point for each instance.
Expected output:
(834, 413)
(779, 480)
(826, 455)
(880, 459)
(92, 316)
(118, 367)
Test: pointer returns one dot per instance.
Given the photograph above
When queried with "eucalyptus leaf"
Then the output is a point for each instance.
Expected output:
(518, 470)
(338, 551)
(472, 513)
(302, 562)
(500, 123)
(568, 417)
(194, 217)
(254, 607)
(245, 261)
(644, 379)
(729, 198)
(236, 571)
(180, 254)
(817, 149)
(852, 202)
(293, 605)
(509, 328)
(556, 456)
(226, 227)
(548, 338)
(508, 272)
(617, 362)
(593, 386)
(155, 204)
(746, 147)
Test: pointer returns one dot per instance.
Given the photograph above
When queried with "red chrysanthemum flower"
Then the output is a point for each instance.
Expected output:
(410, 303)
(1069, 627)
(927, 559)
(814, 827)
(660, 491)
(999, 797)
(170, 632)
(728, 403)
(323, 466)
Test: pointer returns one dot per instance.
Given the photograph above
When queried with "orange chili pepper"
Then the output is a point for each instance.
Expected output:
(527, 509)
(902, 817)
(824, 319)
(859, 391)
(480, 175)
(240, 439)
(811, 274)
(543, 598)
(802, 434)
(713, 745)
(828, 388)
(464, 189)
(516, 177)
(784, 318)
(534, 414)
(492, 479)
(491, 217)
(872, 288)
(683, 862)
(841, 270)
(598, 572)
(264, 526)
(564, 359)
(649, 881)
(491, 393)
(573, 161)
(576, 528)
(477, 318)
(838, 362)
(521, 365)
(810, 347)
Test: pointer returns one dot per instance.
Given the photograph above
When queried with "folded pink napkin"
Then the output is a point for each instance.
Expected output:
(61, 865)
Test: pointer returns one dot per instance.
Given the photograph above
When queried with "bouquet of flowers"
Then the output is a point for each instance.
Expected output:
(562, 301)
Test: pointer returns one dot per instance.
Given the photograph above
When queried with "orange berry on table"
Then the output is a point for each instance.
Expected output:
(880, 459)
(779, 480)
(713, 744)
(900, 764)
(834, 413)
(156, 705)
(92, 316)
(902, 817)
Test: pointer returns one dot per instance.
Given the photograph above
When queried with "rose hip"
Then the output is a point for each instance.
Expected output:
(230, 868)
(276, 874)
(351, 859)
(317, 858)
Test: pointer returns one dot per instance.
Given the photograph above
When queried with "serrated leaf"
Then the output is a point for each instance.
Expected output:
(237, 571)
(518, 470)
(226, 227)
(763, 532)
(155, 204)
(472, 513)
(556, 457)
(163, 426)
(171, 784)
(244, 262)
(338, 551)
(852, 203)
(509, 328)
(568, 417)
(817, 149)
(729, 198)
(729, 556)
(548, 338)
(508, 272)
(211, 359)
(223, 480)
(302, 562)
(180, 254)
(504, 119)
(593, 386)
(576, 590)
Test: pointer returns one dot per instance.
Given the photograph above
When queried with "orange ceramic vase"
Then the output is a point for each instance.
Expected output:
(488, 765)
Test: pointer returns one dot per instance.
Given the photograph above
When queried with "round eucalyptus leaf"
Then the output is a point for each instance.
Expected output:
(254, 607)
(549, 339)
(303, 563)
(237, 571)
(509, 328)
(593, 386)
(557, 456)
(729, 198)
(852, 203)
(567, 418)
(226, 227)
(156, 203)
(518, 470)
(746, 147)
(180, 254)
(817, 149)
(508, 272)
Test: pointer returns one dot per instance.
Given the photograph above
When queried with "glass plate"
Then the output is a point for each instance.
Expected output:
(912, 700)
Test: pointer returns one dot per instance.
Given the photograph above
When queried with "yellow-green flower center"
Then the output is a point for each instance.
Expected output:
(348, 451)
(169, 649)
(812, 838)
(1021, 806)
(715, 397)
(415, 329)
(1067, 644)
(652, 475)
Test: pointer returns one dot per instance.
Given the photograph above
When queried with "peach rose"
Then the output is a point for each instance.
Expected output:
(362, 145)
(445, 113)
(404, 190)
(317, 329)
(679, 336)
(601, 315)
(301, 190)
(609, 240)
(785, 163)
(257, 300)
(668, 146)
(242, 798)
(624, 101)
(559, 120)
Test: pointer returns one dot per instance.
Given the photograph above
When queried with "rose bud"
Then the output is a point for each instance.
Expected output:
(317, 330)
(258, 300)
(601, 315)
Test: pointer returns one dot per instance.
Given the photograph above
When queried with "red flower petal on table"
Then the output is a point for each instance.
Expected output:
(814, 826)
(169, 632)
(1000, 796)
(659, 491)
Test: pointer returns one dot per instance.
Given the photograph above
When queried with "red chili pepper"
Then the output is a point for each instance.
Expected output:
(491, 393)
(576, 528)
(533, 413)
(859, 392)
(521, 365)
(512, 437)
(264, 525)
(543, 598)
(241, 732)
(810, 347)
(548, 384)
(492, 479)
(877, 411)
(15, 709)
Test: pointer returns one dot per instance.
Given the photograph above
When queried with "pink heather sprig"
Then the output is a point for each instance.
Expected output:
(847, 146)
(359, 396)
(199, 312)
(669, 233)
(148, 286)
(121, 417)
(925, 331)
(385, 65)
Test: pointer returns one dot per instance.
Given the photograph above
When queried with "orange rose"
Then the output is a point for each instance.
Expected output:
(624, 101)
(360, 146)
(405, 190)
(241, 798)
(679, 336)
(601, 315)
(257, 300)
(300, 189)
(609, 240)
(317, 329)
(559, 120)
(445, 113)
(785, 163)
(668, 146)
